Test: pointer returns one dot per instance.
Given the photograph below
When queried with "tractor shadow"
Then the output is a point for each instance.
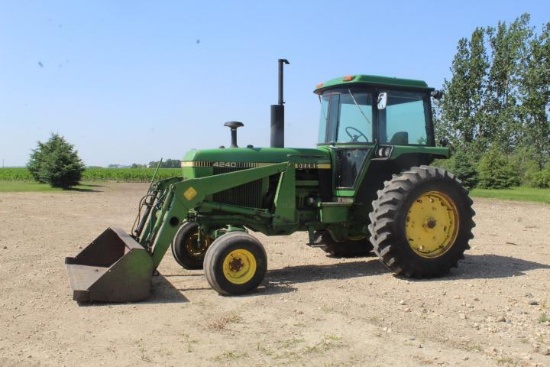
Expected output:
(163, 291)
(282, 280)
(472, 267)
(493, 267)
(86, 188)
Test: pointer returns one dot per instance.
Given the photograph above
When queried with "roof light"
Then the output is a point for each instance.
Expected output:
(348, 78)
(320, 85)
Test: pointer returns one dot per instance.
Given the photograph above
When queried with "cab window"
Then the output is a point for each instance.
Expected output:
(355, 122)
(404, 120)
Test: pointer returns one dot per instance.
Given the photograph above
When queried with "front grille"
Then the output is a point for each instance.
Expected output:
(249, 194)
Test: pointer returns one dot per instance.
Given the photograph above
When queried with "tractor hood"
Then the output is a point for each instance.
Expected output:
(199, 163)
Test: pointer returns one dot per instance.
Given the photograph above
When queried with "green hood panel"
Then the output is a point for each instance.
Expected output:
(252, 157)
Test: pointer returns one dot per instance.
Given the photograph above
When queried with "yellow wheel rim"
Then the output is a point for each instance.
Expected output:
(432, 224)
(239, 266)
(194, 247)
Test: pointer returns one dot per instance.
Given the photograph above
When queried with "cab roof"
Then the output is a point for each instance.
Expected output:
(371, 80)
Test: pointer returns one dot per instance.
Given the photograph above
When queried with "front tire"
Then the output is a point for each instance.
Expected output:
(235, 263)
(187, 249)
(421, 222)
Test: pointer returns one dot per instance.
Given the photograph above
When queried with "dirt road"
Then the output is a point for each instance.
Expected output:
(312, 310)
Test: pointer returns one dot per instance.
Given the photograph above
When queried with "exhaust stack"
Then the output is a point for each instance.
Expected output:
(278, 113)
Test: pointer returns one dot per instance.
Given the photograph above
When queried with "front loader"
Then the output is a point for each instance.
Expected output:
(367, 188)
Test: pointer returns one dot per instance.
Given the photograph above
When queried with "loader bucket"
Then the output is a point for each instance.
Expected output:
(113, 268)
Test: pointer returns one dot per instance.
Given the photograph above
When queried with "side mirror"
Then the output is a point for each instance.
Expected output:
(382, 100)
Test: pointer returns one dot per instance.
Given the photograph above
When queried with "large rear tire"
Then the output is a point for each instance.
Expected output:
(235, 263)
(421, 222)
(187, 249)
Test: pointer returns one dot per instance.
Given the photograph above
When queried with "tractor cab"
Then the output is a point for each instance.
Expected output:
(369, 109)
(365, 118)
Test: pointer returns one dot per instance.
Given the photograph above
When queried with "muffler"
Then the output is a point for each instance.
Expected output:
(113, 268)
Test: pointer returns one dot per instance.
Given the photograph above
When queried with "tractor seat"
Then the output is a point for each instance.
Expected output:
(400, 138)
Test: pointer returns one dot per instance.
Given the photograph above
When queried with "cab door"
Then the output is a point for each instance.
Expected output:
(348, 119)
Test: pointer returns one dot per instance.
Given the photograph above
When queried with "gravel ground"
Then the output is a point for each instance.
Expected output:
(312, 310)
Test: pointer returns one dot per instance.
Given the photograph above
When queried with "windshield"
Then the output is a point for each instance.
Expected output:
(346, 117)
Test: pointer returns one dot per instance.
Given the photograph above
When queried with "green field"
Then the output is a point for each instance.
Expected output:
(99, 174)
(20, 180)
(15, 174)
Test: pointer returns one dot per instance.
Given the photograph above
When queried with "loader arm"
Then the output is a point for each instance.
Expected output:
(182, 196)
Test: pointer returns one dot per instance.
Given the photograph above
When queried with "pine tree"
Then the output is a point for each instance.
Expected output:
(496, 172)
(56, 162)
(464, 169)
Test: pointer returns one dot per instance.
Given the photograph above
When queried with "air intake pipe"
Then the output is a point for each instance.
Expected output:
(278, 113)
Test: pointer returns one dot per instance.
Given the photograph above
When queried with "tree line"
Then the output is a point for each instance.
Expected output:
(495, 107)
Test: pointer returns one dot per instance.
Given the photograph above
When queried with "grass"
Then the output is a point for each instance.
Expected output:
(143, 352)
(327, 342)
(295, 349)
(231, 356)
(29, 186)
(508, 361)
(23, 186)
(516, 194)
(221, 323)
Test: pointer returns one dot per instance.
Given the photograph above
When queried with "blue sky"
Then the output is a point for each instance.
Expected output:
(130, 81)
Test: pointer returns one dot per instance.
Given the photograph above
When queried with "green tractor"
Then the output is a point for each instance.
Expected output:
(366, 188)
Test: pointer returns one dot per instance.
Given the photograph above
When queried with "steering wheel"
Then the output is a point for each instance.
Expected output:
(355, 137)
